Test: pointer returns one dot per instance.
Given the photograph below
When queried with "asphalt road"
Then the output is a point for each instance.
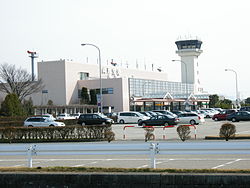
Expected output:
(234, 154)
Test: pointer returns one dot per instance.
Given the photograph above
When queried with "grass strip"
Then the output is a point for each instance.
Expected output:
(123, 170)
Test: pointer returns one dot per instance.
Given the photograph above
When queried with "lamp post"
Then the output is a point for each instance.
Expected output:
(236, 84)
(100, 71)
(186, 81)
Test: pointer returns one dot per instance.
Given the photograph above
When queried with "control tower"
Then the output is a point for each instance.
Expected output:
(189, 50)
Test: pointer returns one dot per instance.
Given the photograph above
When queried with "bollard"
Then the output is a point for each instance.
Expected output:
(31, 151)
(152, 154)
(124, 135)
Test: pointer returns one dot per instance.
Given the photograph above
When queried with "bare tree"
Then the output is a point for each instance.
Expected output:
(18, 81)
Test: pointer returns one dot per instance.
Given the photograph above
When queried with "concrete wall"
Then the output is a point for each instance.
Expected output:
(122, 180)
(53, 76)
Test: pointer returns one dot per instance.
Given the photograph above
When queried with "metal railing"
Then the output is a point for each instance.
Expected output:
(150, 149)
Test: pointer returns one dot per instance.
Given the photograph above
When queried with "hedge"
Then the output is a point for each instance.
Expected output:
(80, 133)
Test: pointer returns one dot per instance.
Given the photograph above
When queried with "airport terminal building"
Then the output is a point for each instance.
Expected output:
(123, 89)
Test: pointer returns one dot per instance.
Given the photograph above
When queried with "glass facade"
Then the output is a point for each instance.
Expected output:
(155, 88)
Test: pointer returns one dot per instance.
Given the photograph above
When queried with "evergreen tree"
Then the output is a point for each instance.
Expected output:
(84, 96)
(247, 101)
(28, 106)
(213, 99)
(11, 106)
(93, 99)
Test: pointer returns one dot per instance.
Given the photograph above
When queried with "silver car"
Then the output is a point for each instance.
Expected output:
(42, 122)
(190, 118)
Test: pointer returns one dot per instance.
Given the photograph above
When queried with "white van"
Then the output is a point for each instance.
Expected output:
(130, 117)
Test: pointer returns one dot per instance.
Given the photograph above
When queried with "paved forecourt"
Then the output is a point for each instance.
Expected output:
(209, 128)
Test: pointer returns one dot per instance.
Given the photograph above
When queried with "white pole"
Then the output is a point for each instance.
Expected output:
(30, 156)
(152, 155)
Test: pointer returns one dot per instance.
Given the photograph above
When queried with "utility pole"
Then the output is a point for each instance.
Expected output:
(32, 56)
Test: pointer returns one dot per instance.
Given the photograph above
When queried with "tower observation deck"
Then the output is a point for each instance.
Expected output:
(188, 44)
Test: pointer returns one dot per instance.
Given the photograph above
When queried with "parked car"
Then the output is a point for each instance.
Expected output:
(153, 113)
(166, 112)
(48, 116)
(94, 119)
(190, 118)
(42, 122)
(177, 112)
(239, 116)
(146, 114)
(245, 108)
(76, 115)
(130, 117)
(159, 120)
(206, 113)
(223, 115)
(64, 116)
(112, 115)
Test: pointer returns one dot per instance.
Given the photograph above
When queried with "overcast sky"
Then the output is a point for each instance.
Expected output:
(131, 31)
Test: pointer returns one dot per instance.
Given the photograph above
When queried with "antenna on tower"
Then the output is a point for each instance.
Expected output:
(32, 56)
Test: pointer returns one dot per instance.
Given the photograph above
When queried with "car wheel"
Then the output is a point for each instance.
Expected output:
(139, 120)
(234, 120)
(51, 126)
(143, 124)
(192, 122)
(83, 123)
(207, 116)
(30, 126)
(121, 121)
(166, 124)
(216, 119)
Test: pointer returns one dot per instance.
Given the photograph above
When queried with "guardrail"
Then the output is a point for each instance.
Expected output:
(151, 149)
(78, 149)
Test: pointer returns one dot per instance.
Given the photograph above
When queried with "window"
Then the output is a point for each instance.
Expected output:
(84, 75)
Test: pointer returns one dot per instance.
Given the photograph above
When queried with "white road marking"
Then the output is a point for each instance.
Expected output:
(242, 132)
(231, 162)
(144, 166)
(163, 161)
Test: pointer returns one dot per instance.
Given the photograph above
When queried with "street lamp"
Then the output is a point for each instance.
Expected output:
(100, 72)
(186, 80)
(236, 83)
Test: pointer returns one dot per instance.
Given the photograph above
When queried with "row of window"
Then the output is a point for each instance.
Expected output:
(141, 87)
(104, 91)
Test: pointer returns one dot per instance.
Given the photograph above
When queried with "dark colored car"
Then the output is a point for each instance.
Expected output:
(94, 119)
(239, 116)
(223, 115)
(146, 114)
(165, 112)
(245, 108)
(159, 120)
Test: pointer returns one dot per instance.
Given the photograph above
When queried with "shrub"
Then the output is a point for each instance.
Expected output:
(183, 132)
(227, 130)
(149, 135)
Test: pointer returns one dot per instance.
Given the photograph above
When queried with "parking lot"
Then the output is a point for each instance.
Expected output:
(209, 128)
